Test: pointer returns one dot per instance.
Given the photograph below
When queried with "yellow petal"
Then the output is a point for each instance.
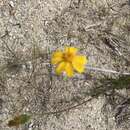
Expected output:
(71, 50)
(79, 63)
(80, 59)
(57, 57)
(60, 68)
(69, 69)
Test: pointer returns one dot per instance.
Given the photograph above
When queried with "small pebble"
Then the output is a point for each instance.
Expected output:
(11, 4)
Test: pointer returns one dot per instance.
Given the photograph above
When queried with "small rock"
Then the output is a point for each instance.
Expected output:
(11, 3)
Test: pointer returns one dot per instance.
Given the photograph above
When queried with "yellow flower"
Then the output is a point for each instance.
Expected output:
(68, 61)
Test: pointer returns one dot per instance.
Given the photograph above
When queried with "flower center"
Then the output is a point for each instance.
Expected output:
(68, 57)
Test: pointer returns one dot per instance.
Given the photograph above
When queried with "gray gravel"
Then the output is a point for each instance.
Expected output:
(30, 31)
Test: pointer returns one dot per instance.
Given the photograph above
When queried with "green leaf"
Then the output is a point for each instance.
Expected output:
(107, 84)
(65, 78)
(19, 120)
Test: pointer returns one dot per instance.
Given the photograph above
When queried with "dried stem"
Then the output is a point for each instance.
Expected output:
(106, 70)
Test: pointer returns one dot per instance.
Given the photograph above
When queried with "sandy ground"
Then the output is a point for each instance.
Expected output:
(30, 31)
